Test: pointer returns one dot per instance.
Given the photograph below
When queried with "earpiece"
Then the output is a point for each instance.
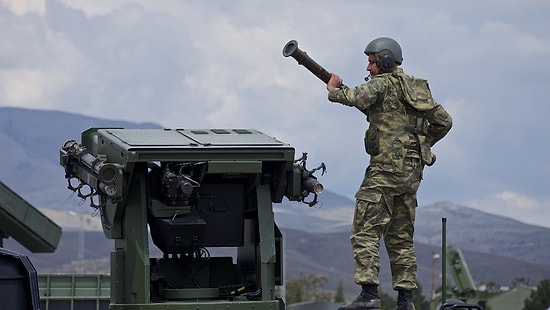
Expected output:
(385, 61)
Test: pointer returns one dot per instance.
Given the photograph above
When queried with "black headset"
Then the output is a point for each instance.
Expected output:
(385, 61)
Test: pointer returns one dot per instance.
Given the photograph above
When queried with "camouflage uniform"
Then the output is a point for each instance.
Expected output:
(405, 121)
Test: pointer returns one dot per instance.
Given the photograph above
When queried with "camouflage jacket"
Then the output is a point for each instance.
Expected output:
(405, 120)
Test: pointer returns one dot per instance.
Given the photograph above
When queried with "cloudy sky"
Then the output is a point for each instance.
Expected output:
(218, 64)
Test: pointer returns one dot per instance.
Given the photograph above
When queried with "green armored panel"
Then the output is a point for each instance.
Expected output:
(26, 224)
(74, 291)
(135, 145)
(461, 274)
(79, 286)
(224, 151)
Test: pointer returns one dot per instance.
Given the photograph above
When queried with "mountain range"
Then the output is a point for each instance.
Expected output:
(497, 249)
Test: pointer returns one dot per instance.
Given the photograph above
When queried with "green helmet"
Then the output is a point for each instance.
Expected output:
(388, 53)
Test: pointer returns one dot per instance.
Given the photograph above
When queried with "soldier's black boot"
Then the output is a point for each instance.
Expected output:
(404, 300)
(367, 299)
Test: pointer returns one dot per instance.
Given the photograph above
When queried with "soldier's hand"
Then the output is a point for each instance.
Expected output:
(433, 160)
(334, 82)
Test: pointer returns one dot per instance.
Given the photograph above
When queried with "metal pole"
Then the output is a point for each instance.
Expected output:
(443, 260)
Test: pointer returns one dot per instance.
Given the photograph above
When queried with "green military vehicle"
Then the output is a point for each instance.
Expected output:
(190, 190)
(466, 290)
(33, 230)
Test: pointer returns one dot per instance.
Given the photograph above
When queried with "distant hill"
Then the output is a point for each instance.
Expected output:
(330, 254)
(308, 253)
(29, 155)
(477, 231)
(467, 228)
(497, 249)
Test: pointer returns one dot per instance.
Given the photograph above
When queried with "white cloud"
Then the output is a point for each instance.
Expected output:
(516, 206)
(26, 88)
(22, 7)
(97, 7)
(211, 64)
(37, 64)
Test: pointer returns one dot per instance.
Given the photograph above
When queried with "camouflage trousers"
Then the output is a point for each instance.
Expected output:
(385, 206)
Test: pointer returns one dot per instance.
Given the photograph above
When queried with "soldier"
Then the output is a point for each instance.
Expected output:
(405, 122)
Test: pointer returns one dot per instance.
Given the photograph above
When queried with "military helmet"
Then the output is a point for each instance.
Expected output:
(387, 51)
